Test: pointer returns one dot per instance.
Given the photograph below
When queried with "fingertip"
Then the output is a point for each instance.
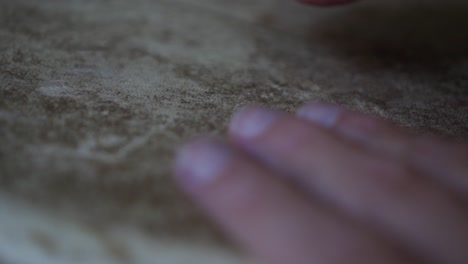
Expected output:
(252, 121)
(322, 114)
(200, 162)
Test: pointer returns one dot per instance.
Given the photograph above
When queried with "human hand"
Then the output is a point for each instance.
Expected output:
(332, 186)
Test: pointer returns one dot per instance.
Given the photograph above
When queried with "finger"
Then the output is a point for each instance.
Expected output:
(271, 220)
(326, 2)
(374, 190)
(445, 162)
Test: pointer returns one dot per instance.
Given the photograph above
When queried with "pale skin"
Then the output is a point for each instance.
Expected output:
(331, 186)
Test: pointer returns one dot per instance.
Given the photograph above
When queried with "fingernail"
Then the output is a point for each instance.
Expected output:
(200, 163)
(252, 122)
(324, 115)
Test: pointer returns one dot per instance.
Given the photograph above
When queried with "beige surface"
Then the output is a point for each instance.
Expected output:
(95, 96)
